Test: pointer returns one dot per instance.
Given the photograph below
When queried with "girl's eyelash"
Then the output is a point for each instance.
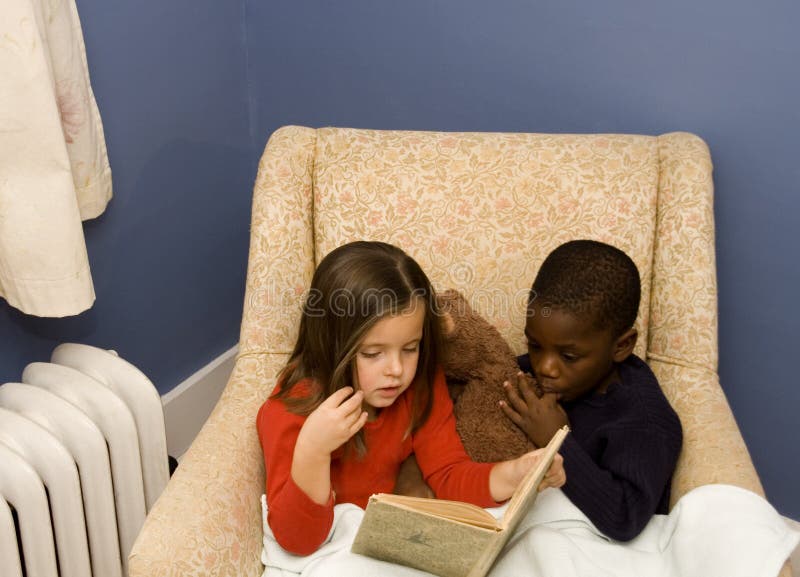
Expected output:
(369, 355)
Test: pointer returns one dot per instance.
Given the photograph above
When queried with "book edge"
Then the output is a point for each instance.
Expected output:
(482, 518)
(517, 505)
(388, 499)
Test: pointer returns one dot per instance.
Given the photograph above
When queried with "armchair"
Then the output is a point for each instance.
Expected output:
(479, 212)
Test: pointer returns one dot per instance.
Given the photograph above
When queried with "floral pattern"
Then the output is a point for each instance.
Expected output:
(479, 212)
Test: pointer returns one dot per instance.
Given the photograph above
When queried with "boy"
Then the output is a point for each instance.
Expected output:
(625, 437)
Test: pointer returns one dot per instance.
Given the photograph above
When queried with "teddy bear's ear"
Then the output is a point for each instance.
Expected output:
(451, 300)
(451, 305)
(445, 298)
(447, 323)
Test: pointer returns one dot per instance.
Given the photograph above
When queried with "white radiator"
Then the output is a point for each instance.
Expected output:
(83, 457)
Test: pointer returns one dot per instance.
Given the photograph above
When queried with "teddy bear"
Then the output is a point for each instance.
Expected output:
(476, 362)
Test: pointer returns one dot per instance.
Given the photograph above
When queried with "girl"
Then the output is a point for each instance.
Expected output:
(361, 392)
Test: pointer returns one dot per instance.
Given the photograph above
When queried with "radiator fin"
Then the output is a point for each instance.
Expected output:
(84, 458)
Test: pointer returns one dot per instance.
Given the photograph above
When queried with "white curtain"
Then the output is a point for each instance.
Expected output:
(54, 169)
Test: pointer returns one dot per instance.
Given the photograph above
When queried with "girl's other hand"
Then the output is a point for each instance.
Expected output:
(333, 423)
(507, 475)
(556, 476)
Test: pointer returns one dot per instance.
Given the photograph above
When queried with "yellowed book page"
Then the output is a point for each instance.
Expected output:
(455, 510)
(426, 542)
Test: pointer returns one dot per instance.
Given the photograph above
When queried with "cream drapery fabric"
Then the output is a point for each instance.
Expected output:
(54, 169)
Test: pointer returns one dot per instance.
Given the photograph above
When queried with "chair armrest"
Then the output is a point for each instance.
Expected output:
(713, 448)
(208, 519)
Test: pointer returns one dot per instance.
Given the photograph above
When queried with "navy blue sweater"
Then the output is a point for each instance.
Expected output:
(622, 451)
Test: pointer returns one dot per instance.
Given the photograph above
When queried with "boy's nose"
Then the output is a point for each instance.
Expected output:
(547, 367)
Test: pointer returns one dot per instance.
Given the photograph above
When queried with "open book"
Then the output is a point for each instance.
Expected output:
(446, 538)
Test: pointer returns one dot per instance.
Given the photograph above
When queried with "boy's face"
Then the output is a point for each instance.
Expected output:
(569, 356)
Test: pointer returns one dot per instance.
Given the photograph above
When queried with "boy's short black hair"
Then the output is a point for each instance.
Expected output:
(590, 278)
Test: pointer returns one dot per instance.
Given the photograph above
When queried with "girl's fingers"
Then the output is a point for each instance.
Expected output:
(339, 403)
(353, 403)
(360, 422)
(352, 415)
(556, 480)
(337, 397)
(556, 476)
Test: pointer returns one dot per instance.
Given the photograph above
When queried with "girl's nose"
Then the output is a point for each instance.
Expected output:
(393, 366)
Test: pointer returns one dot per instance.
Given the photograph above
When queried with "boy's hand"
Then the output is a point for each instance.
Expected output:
(332, 424)
(537, 413)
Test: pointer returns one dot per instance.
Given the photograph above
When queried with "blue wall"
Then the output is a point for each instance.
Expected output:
(176, 84)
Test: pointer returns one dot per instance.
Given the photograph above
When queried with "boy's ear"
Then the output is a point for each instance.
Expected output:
(624, 345)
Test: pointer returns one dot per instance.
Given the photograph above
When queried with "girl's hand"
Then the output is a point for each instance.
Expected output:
(507, 475)
(555, 476)
(332, 424)
(537, 413)
(325, 430)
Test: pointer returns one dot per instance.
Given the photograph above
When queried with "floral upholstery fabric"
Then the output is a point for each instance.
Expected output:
(480, 212)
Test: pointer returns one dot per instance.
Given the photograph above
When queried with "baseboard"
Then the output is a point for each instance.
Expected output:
(187, 406)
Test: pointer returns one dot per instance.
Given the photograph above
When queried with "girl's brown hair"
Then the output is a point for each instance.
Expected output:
(355, 286)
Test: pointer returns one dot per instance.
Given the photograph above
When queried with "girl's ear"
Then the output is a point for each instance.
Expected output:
(623, 347)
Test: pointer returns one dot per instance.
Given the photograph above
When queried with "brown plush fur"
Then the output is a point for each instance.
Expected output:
(476, 362)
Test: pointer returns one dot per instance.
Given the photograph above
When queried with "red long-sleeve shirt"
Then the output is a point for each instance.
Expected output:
(300, 525)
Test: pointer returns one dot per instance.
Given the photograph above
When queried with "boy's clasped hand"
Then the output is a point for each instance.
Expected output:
(533, 410)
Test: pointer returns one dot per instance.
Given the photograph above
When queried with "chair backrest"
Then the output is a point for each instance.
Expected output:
(479, 212)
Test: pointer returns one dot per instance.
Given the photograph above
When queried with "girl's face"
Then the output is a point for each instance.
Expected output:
(386, 361)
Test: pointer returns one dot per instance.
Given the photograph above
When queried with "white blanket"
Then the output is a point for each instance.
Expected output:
(713, 531)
